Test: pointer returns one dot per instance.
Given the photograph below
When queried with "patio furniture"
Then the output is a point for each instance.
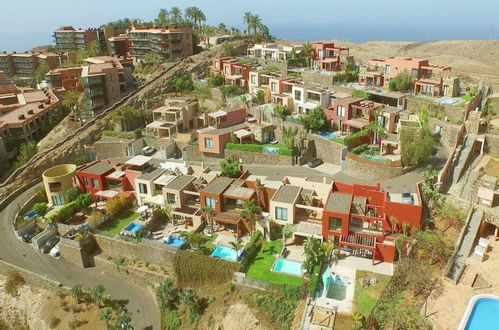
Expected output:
(483, 242)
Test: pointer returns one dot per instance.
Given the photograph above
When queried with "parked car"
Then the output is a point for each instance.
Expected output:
(407, 197)
(147, 150)
(49, 245)
(314, 162)
(55, 251)
(29, 235)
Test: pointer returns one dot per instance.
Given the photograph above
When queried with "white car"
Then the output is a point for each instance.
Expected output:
(55, 251)
(147, 150)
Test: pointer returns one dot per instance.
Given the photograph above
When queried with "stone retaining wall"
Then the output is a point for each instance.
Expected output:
(29, 277)
(159, 254)
(366, 171)
(135, 275)
(450, 133)
(251, 157)
(327, 150)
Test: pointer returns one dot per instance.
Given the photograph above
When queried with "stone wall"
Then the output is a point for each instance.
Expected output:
(450, 133)
(193, 154)
(454, 113)
(369, 171)
(153, 252)
(29, 277)
(314, 77)
(250, 157)
(325, 149)
(138, 276)
(492, 143)
(78, 253)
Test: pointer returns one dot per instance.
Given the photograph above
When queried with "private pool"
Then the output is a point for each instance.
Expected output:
(482, 313)
(226, 253)
(337, 289)
(374, 157)
(133, 227)
(174, 241)
(288, 267)
(447, 101)
(271, 150)
(326, 135)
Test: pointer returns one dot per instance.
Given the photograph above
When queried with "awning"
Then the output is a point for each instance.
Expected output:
(355, 123)
(242, 133)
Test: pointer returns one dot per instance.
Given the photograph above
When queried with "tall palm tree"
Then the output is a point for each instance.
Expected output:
(162, 19)
(374, 128)
(176, 15)
(190, 14)
(199, 16)
(307, 51)
(208, 212)
(247, 18)
(256, 22)
(250, 212)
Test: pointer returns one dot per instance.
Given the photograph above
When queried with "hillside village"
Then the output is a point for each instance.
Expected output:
(231, 180)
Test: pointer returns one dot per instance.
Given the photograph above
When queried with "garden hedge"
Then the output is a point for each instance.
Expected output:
(251, 250)
(65, 213)
(313, 285)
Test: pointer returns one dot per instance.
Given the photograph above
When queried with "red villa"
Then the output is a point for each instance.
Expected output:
(351, 114)
(327, 57)
(361, 217)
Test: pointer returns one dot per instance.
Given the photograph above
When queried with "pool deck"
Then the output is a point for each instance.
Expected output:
(446, 310)
(344, 306)
(358, 263)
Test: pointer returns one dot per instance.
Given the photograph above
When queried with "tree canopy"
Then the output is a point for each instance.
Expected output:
(230, 168)
(403, 82)
(315, 119)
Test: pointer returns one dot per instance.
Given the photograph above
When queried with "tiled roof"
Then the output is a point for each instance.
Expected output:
(98, 168)
(218, 185)
(179, 182)
(286, 194)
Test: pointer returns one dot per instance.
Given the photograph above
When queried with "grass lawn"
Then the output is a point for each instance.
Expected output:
(366, 298)
(111, 229)
(260, 268)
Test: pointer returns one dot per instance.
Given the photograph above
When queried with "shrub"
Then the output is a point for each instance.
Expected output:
(361, 93)
(73, 193)
(403, 82)
(14, 280)
(286, 152)
(83, 201)
(230, 168)
(315, 279)
(40, 208)
(251, 250)
(216, 80)
(94, 220)
(193, 269)
(182, 83)
(355, 138)
(360, 149)
(173, 321)
(54, 322)
(64, 214)
(416, 145)
(299, 62)
(315, 119)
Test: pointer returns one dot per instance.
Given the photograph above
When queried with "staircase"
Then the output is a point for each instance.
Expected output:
(459, 164)
(468, 237)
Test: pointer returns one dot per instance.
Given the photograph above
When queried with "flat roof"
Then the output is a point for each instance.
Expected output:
(116, 175)
(138, 160)
(164, 179)
(98, 168)
(239, 192)
(180, 182)
(218, 185)
(339, 202)
(286, 194)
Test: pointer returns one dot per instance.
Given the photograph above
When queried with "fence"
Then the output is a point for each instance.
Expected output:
(83, 128)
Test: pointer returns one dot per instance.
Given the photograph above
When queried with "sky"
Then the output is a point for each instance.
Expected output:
(30, 23)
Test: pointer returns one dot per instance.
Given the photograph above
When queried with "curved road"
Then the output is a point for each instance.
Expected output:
(141, 302)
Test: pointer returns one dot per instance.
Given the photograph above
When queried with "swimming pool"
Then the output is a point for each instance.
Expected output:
(482, 313)
(133, 227)
(288, 267)
(226, 253)
(326, 135)
(174, 241)
(447, 101)
(271, 150)
(337, 289)
(374, 157)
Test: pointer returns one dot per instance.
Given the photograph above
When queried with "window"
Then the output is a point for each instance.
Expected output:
(95, 183)
(273, 87)
(85, 181)
(321, 53)
(381, 120)
(208, 143)
(335, 224)
(281, 213)
(55, 186)
(142, 188)
(227, 69)
(253, 79)
(387, 69)
(297, 95)
(170, 198)
(210, 202)
(314, 97)
(341, 111)
(217, 65)
(58, 200)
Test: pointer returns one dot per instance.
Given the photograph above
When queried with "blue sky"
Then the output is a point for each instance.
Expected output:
(31, 22)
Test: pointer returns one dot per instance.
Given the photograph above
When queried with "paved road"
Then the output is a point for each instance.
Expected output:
(141, 302)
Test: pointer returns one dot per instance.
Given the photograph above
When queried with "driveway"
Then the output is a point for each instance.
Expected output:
(141, 302)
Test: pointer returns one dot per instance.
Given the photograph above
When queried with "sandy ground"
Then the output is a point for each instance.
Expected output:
(58, 133)
(240, 317)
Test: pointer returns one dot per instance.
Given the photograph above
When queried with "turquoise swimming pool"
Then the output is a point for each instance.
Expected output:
(447, 101)
(133, 227)
(226, 253)
(271, 150)
(374, 157)
(288, 267)
(326, 135)
(175, 241)
(484, 315)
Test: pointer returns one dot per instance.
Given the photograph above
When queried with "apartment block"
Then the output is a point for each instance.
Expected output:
(68, 38)
(119, 45)
(61, 80)
(178, 115)
(166, 43)
(328, 57)
(307, 97)
(271, 51)
(24, 112)
(221, 125)
(24, 65)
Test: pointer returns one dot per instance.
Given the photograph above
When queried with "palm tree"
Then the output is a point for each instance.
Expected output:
(96, 292)
(250, 212)
(162, 19)
(374, 128)
(175, 15)
(208, 213)
(247, 18)
(195, 14)
(256, 22)
(287, 232)
(237, 245)
(307, 51)
(188, 298)
(70, 101)
(139, 234)
(313, 253)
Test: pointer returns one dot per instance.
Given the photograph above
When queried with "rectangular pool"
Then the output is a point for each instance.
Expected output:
(337, 287)
(288, 267)
(484, 315)
(133, 227)
(271, 150)
(326, 135)
(174, 241)
(226, 253)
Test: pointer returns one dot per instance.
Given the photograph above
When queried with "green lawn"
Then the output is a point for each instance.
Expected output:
(111, 229)
(260, 268)
(366, 298)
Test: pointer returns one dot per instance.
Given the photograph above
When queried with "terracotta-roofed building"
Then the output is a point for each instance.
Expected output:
(328, 57)
(23, 66)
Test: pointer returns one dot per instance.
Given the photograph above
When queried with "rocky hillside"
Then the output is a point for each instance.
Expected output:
(71, 149)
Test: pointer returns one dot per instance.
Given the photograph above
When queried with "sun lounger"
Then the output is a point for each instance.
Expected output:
(480, 252)
(483, 242)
